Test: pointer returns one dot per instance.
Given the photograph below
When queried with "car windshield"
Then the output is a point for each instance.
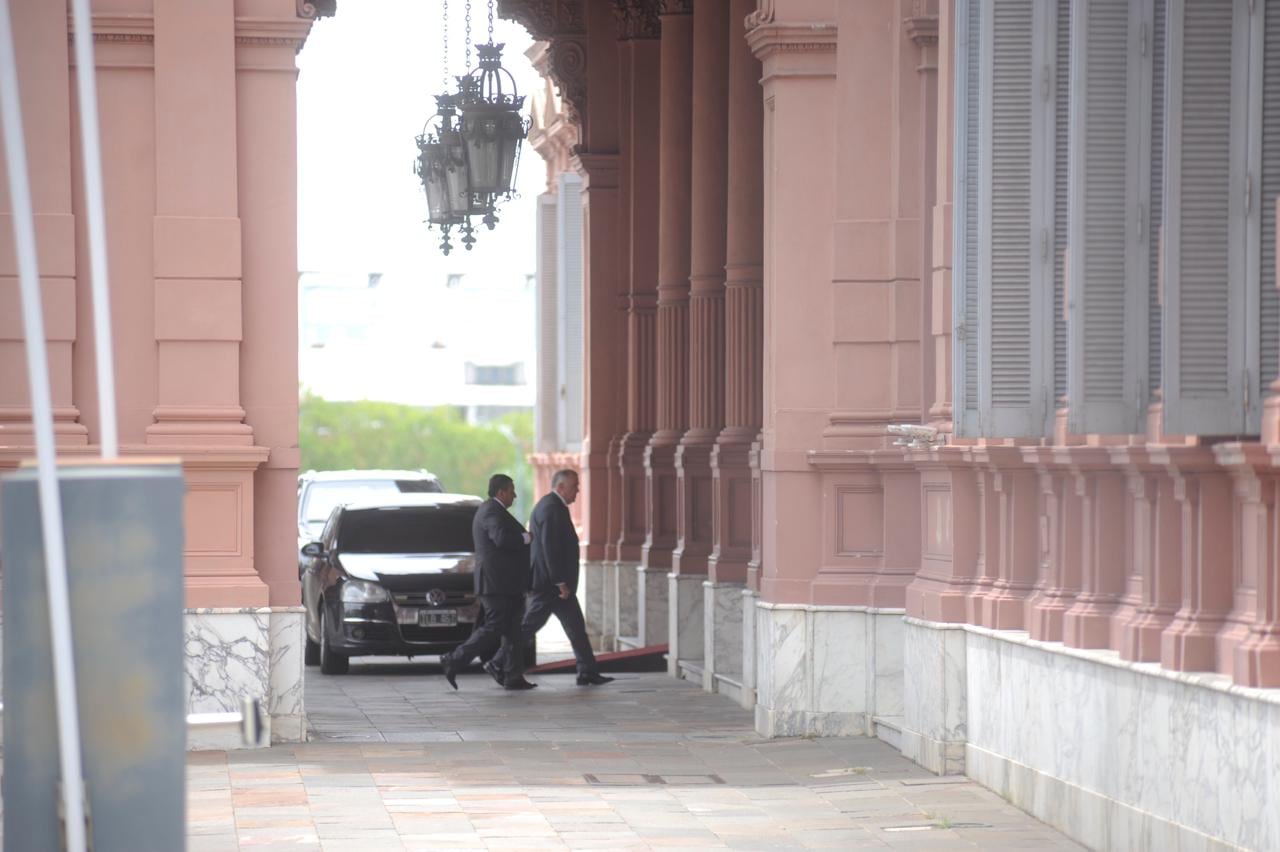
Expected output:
(417, 529)
(321, 497)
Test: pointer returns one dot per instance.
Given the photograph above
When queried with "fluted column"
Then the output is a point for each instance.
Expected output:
(676, 98)
(709, 176)
(639, 67)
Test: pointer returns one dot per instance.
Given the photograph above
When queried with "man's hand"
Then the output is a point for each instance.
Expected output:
(564, 591)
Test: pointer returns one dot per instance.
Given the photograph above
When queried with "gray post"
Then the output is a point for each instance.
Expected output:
(123, 525)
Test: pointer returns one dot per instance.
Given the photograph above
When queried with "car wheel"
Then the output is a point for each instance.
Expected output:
(331, 662)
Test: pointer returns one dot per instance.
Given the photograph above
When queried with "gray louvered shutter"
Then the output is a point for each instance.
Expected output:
(1155, 221)
(1015, 372)
(965, 231)
(546, 431)
(1061, 151)
(1205, 332)
(1269, 297)
(1110, 167)
(569, 262)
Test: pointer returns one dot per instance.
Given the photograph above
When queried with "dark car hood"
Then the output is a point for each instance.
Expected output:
(398, 569)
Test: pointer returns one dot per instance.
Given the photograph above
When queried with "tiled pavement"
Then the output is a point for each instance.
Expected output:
(400, 761)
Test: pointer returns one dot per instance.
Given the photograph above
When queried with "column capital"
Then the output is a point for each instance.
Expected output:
(599, 171)
(638, 19)
(676, 7)
(800, 39)
(317, 8)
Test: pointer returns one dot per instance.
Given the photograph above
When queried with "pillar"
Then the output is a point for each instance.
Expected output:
(675, 129)
(731, 504)
(1105, 516)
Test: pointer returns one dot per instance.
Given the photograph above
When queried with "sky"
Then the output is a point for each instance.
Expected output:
(367, 83)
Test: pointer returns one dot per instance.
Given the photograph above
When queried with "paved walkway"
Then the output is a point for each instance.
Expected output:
(400, 761)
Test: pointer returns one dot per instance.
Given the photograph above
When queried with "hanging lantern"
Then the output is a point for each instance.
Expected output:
(492, 126)
(442, 168)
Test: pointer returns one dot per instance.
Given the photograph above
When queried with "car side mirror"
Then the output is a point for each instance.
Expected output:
(313, 549)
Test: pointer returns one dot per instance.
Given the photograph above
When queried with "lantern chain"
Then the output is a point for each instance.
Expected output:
(490, 21)
(468, 36)
(445, 51)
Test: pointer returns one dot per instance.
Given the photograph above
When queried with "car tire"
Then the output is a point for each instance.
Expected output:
(331, 662)
(311, 653)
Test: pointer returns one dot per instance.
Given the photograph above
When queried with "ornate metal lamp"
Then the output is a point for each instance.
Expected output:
(492, 128)
(442, 168)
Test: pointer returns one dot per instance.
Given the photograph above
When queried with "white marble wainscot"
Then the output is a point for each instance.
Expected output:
(651, 613)
(826, 670)
(626, 604)
(592, 593)
(1123, 755)
(685, 615)
(722, 637)
(236, 653)
(609, 607)
(749, 638)
(934, 723)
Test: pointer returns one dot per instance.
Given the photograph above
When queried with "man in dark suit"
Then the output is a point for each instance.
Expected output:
(501, 580)
(555, 576)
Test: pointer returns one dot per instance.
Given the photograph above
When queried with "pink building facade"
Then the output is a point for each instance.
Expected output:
(1035, 231)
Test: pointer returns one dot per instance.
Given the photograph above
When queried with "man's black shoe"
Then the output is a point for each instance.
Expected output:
(450, 670)
(596, 679)
(494, 672)
(519, 683)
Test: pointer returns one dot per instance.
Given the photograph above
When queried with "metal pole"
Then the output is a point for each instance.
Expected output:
(64, 681)
(94, 209)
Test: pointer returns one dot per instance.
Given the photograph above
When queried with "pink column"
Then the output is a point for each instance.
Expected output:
(1016, 493)
(266, 122)
(706, 286)
(730, 461)
(641, 57)
(676, 98)
(1249, 466)
(950, 524)
(1203, 492)
(1062, 508)
(1087, 624)
(987, 562)
(42, 53)
(1140, 503)
(1162, 578)
(1257, 658)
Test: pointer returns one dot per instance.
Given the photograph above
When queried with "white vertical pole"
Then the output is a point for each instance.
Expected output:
(64, 681)
(90, 148)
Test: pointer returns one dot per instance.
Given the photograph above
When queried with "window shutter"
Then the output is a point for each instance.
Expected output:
(1110, 167)
(1014, 368)
(1206, 337)
(1061, 151)
(1269, 297)
(964, 272)
(1155, 219)
(548, 327)
(569, 272)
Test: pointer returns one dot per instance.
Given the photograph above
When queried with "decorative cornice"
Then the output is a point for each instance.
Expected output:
(637, 19)
(768, 39)
(922, 30)
(676, 7)
(134, 29)
(313, 9)
(545, 19)
(272, 32)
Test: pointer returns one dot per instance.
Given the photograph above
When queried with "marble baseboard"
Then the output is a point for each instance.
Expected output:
(685, 612)
(1122, 755)
(609, 607)
(651, 611)
(591, 593)
(934, 719)
(626, 603)
(253, 652)
(722, 631)
(826, 670)
(748, 692)
(729, 686)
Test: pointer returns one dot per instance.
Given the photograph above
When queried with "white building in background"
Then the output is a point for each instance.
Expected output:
(465, 339)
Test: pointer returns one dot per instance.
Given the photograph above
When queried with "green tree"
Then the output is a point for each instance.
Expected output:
(366, 435)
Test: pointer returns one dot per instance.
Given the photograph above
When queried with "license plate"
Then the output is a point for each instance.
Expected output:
(437, 618)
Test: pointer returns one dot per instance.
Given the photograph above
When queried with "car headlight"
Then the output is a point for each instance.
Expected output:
(359, 591)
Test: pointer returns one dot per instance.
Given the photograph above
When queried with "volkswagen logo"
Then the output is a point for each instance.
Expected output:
(436, 597)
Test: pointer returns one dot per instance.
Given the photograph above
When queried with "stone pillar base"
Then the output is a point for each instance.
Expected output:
(234, 653)
(827, 670)
(722, 637)
(934, 724)
(685, 626)
(591, 593)
(651, 610)
(626, 604)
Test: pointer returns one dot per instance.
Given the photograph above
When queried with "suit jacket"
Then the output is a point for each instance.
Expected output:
(502, 557)
(555, 545)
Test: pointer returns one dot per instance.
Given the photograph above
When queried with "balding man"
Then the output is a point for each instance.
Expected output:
(555, 575)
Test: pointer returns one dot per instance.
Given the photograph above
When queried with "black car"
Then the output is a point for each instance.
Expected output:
(391, 578)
